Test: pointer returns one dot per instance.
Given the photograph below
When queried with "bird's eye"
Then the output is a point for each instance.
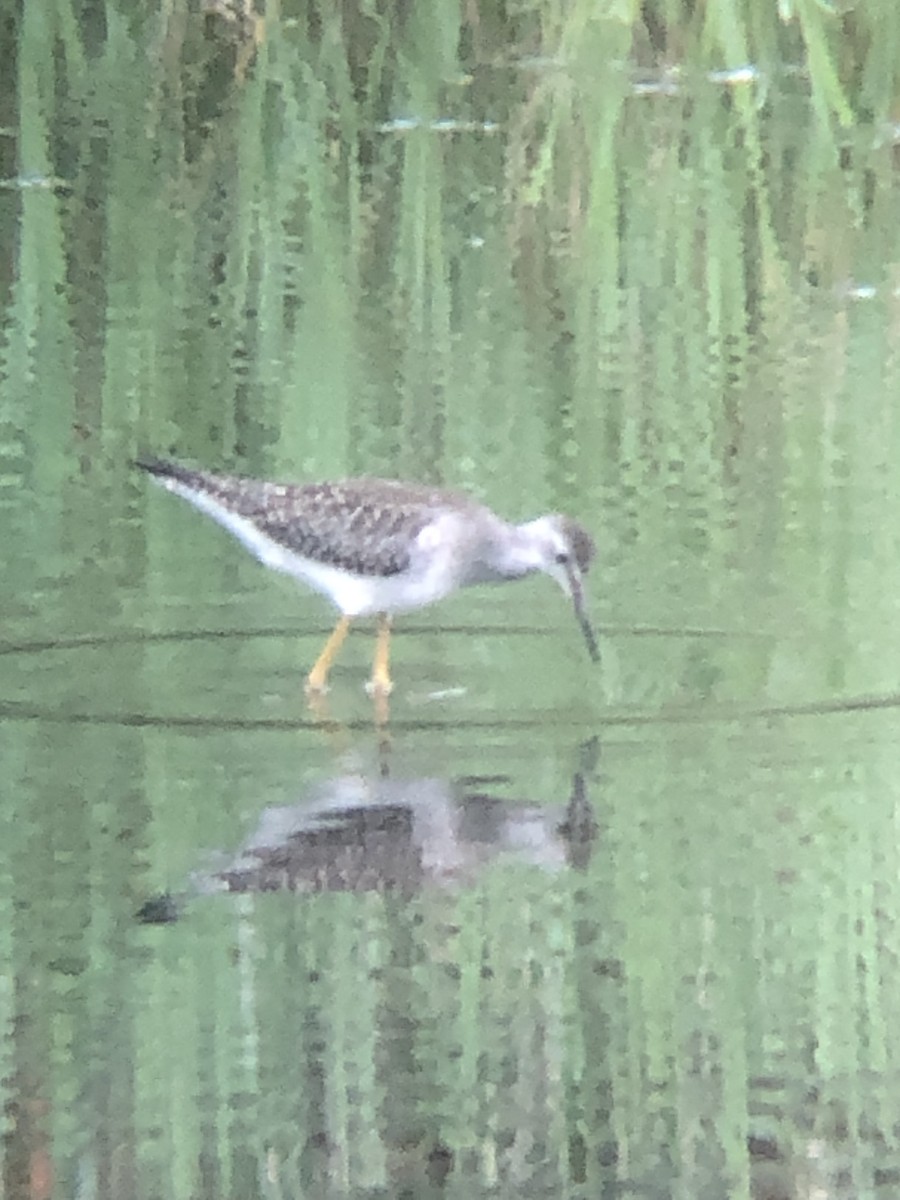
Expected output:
(562, 558)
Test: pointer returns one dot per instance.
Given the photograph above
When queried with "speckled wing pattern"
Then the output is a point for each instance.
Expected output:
(367, 530)
(366, 526)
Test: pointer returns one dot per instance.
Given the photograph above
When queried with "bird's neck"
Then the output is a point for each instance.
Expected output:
(512, 551)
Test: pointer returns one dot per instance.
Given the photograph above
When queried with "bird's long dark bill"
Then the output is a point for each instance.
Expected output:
(583, 619)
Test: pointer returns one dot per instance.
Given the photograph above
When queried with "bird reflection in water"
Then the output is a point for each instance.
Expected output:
(400, 835)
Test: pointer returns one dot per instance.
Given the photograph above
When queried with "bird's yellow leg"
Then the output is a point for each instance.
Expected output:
(380, 683)
(317, 679)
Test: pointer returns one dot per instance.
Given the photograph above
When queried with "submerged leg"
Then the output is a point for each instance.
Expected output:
(380, 683)
(317, 679)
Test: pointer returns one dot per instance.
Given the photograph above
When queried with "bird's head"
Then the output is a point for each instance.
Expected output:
(566, 553)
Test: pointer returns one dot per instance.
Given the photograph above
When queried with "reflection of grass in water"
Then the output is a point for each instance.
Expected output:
(515, 254)
(296, 169)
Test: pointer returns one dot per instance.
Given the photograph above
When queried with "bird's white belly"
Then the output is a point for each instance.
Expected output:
(363, 595)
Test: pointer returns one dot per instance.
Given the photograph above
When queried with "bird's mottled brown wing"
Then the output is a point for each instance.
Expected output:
(365, 529)
(362, 525)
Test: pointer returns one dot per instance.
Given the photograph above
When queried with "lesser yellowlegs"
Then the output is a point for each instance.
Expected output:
(378, 547)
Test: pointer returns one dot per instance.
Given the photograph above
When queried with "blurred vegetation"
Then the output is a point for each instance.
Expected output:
(607, 256)
(323, 237)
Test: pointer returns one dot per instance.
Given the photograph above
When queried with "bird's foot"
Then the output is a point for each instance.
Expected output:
(379, 686)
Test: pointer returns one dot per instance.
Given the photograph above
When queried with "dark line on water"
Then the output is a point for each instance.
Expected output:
(128, 638)
(720, 715)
